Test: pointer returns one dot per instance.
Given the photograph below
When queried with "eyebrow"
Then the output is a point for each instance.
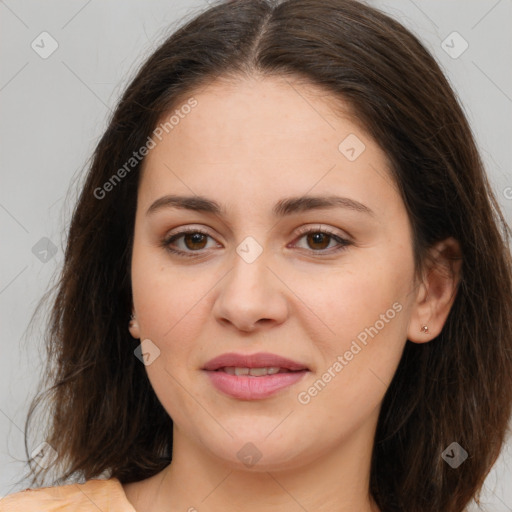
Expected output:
(286, 206)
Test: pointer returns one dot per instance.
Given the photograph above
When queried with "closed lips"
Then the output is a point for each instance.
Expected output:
(259, 364)
(254, 372)
(253, 376)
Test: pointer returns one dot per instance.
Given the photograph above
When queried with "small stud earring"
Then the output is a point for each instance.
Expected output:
(424, 329)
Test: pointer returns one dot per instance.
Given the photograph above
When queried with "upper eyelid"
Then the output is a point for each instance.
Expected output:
(322, 229)
(300, 231)
(344, 239)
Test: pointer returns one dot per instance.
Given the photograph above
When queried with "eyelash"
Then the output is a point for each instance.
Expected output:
(166, 242)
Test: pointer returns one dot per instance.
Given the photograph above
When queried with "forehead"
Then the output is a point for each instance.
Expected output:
(264, 132)
(259, 114)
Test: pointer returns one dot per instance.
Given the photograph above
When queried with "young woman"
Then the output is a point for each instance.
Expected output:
(287, 282)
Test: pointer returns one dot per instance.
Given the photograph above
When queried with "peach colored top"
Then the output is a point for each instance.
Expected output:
(91, 496)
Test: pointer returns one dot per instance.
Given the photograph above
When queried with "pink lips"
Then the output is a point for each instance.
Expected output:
(248, 387)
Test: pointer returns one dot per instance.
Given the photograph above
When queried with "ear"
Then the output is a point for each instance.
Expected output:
(436, 291)
(133, 327)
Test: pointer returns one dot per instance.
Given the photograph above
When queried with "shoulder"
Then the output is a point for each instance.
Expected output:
(93, 495)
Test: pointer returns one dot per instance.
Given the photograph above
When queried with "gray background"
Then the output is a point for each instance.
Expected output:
(54, 110)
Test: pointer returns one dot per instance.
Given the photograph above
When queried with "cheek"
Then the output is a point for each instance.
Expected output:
(348, 301)
(365, 307)
(360, 357)
(165, 296)
(169, 307)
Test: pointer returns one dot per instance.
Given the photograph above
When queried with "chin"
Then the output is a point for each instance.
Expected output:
(258, 453)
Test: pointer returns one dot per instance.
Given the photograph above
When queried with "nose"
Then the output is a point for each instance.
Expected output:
(251, 297)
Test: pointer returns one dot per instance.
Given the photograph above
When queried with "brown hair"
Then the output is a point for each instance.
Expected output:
(105, 416)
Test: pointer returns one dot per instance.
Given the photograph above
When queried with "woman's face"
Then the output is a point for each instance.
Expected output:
(284, 267)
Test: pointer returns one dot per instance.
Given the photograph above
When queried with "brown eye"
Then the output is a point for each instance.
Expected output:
(195, 241)
(321, 242)
(189, 242)
(318, 240)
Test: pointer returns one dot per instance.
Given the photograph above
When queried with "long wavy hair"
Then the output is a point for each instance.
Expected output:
(103, 415)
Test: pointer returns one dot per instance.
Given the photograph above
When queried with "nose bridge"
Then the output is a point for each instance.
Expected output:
(249, 278)
(250, 291)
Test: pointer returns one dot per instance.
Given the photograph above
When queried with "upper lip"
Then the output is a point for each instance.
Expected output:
(260, 360)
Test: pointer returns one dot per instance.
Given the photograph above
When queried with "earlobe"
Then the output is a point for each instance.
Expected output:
(133, 327)
(437, 292)
(418, 330)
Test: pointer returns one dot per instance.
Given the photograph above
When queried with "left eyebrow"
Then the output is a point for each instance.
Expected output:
(292, 205)
(283, 207)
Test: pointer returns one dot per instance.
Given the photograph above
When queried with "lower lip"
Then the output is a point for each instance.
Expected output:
(246, 387)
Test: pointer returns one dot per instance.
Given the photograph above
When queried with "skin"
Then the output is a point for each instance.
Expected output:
(248, 144)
